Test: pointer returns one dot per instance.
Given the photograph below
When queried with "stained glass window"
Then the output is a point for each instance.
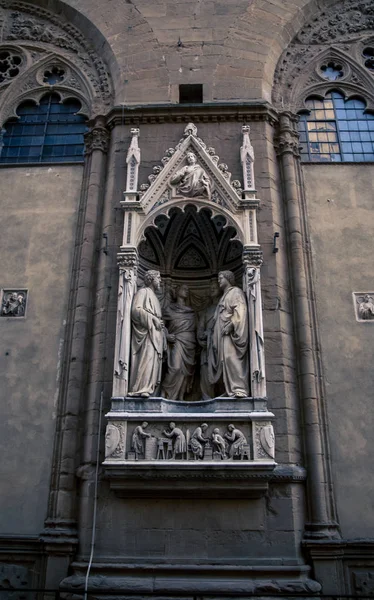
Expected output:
(49, 132)
(336, 130)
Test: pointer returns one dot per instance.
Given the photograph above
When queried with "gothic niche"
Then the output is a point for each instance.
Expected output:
(190, 248)
(189, 368)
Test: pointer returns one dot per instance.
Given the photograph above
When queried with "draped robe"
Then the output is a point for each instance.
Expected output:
(181, 353)
(228, 354)
(193, 181)
(146, 343)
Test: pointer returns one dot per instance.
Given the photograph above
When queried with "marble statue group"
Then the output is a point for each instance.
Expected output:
(174, 335)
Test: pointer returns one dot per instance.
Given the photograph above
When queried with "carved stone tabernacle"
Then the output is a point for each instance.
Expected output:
(189, 377)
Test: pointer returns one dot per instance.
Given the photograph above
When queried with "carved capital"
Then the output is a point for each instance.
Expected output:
(96, 139)
(127, 258)
(252, 257)
(286, 144)
(287, 140)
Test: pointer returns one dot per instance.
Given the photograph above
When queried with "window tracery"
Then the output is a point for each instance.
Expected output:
(10, 64)
(336, 129)
(51, 131)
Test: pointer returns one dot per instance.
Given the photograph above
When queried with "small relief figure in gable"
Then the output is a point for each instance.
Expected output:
(192, 180)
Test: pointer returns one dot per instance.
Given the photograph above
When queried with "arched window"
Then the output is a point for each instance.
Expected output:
(336, 130)
(51, 131)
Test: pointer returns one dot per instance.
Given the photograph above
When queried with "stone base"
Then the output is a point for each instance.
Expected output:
(143, 457)
(157, 579)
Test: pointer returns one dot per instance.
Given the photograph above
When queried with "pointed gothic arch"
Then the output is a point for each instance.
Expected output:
(44, 41)
(299, 71)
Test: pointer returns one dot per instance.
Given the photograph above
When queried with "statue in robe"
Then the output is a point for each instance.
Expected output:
(181, 337)
(147, 340)
(228, 349)
(204, 336)
(192, 180)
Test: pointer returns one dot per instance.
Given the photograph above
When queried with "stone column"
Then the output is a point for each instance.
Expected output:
(60, 527)
(321, 524)
(128, 264)
(252, 259)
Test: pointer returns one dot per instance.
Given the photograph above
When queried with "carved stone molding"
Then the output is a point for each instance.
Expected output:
(206, 113)
(97, 139)
(199, 578)
(338, 35)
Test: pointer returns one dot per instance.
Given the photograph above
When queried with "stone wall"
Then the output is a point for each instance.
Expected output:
(39, 212)
(340, 207)
(153, 46)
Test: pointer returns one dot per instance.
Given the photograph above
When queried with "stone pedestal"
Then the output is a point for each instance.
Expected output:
(162, 447)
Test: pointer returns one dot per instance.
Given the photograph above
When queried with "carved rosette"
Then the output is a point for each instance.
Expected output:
(97, 139)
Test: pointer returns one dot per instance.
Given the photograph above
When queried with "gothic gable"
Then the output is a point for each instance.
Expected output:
(217, 189)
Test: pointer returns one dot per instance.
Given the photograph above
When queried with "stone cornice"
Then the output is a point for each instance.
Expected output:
(197, 113)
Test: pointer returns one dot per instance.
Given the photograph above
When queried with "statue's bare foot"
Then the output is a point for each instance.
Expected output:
(144, 395)
(240, 395)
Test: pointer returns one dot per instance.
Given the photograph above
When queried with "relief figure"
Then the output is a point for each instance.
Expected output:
(366, 308)
(138, 438)
(13, 305)
(192, 180)
(218, 443)
(198, 441)
(236, 439)
(179, 440)
(228, 349)
(147, 341)
(181, 339)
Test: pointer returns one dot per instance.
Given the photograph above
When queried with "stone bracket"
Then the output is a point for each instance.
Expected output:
(177, 479)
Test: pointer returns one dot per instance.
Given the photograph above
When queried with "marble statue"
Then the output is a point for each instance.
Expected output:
(181, 338)
(228, 349)
(204, 336)
(236, 439)
(138, 438)
(147, 341)
(179, 439)
(198, 441)
(218, 443)
(366, 308)
(14, 305)
(192, 180)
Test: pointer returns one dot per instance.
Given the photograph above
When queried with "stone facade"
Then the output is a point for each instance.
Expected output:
(180, 502)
